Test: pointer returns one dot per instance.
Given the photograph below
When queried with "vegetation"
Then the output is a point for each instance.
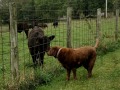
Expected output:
(105, 76)
(52, 77)
(53, 74)
(50, 10)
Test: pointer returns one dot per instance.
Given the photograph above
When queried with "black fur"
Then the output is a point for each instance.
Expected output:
(38, 44)
(23, 26)
(55, 24)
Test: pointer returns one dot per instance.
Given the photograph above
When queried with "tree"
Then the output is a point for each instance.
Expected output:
(49, 10)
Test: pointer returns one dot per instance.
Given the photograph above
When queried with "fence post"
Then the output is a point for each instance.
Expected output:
(14, 44)
(116, 24)
(98, 25)
(69, 17)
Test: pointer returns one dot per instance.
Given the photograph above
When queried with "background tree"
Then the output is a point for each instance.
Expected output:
(50, 10)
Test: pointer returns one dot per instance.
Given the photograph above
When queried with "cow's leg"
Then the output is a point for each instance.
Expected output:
(89, 66)
(74, 73)
(34, 56)
(41, 58)
(68, 74)
(26, 32)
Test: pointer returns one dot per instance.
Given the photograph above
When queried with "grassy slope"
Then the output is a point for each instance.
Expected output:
(106, 76)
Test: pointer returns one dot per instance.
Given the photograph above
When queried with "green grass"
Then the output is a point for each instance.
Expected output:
(105, 76)
(52, 77)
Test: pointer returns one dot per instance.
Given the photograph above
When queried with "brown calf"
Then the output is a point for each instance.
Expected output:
(71, 59)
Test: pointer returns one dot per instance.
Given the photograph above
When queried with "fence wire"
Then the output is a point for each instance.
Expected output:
(83, 33)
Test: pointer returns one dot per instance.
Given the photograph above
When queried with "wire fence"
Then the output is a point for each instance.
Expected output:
(83, 32)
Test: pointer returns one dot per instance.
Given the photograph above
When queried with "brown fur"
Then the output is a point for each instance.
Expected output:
(71, 59)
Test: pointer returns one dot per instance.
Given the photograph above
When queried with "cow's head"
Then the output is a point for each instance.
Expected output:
(45, 42)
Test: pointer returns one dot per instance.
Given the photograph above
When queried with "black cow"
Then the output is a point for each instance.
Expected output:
(38, 44)
(23, 26)
(55, 24)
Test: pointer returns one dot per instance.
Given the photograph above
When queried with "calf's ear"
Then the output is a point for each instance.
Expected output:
(51, 37)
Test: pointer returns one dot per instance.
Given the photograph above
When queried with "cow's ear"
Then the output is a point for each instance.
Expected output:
(51, 37)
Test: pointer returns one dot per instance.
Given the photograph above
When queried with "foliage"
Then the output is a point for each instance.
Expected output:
(50, 9)
(53, 75)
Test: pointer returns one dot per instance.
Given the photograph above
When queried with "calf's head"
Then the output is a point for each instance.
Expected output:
(45, 42)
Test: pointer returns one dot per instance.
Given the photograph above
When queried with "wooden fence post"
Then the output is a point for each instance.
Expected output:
(14, 44)
(69, 17)
(116, 24)
(98, 24)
